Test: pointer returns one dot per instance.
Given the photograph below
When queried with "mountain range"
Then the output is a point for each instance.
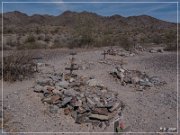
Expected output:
(92, 27)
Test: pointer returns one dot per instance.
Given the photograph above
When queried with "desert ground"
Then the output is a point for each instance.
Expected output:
(145, 111)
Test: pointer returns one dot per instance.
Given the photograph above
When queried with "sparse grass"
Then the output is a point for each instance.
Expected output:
(171, 47)
(30, 39)
(18, 66)
(32, 45)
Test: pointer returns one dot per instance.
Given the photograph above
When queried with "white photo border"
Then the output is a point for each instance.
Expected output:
(2, 3)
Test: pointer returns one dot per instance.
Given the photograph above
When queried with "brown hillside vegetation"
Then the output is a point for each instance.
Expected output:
(84, 29)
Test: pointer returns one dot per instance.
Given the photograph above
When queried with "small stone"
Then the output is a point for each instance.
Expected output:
(102, 111)
(46, 93)
(55, 99)
(135, 80)
(78, 103)
(44, 82)
(131, 54)
(155, 80)
(67, 111)
(70, 92)
(38, 89)
(121, 70)
(51, 100)
(55, 91)
(153, 51)
(66, 100)
(94, 82)
(81, 118)
(140, 88)
(53, 109)
(115, 107)
(49, 88)
(99, 117)
(81, 110)
(47, 100)
(63, 84)
(71, 80)
(145, 83)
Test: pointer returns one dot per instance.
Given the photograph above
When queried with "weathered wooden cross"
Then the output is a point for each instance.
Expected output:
(104, 53)
(72, 66)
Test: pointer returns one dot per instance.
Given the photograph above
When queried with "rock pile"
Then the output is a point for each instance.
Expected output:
(85, 99)
(137, 78)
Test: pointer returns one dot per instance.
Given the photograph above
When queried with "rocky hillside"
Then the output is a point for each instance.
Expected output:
(72, 29)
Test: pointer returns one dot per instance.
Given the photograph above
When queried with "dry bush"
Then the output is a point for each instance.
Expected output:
(125, 43)
(171, 41)
(18, 66)
(170, 47)
(30, 39)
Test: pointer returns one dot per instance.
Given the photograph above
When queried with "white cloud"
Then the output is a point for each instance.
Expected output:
(61, 5)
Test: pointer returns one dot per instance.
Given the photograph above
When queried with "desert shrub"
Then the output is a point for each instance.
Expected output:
(32, 45)
(170, 40)
(47, 38)
(125, 43)
(85, 40)
(41, 37)
(170, 37)
(10, 42)
(18, 66)
(38, 30)
(30, 39)
(156, 39)
(80, 41)
(170, 47)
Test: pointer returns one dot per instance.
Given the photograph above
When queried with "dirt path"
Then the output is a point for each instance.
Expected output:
(145, 111)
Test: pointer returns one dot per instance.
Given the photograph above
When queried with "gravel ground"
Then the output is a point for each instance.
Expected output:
(145, 111)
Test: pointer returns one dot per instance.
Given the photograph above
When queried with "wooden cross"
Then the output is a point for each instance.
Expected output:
(72, 66)
(104, 53)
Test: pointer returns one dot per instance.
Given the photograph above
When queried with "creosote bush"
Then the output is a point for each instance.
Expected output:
(18, 66)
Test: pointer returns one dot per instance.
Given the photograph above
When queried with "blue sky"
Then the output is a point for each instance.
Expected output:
(164, 11)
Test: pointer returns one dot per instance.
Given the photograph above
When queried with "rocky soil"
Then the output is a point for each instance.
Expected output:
(146, 110)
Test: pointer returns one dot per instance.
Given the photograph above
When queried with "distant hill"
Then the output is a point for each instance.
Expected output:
(86, 28)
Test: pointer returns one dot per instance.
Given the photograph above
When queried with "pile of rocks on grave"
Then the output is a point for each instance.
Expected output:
(84, 99)
(136, 78)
